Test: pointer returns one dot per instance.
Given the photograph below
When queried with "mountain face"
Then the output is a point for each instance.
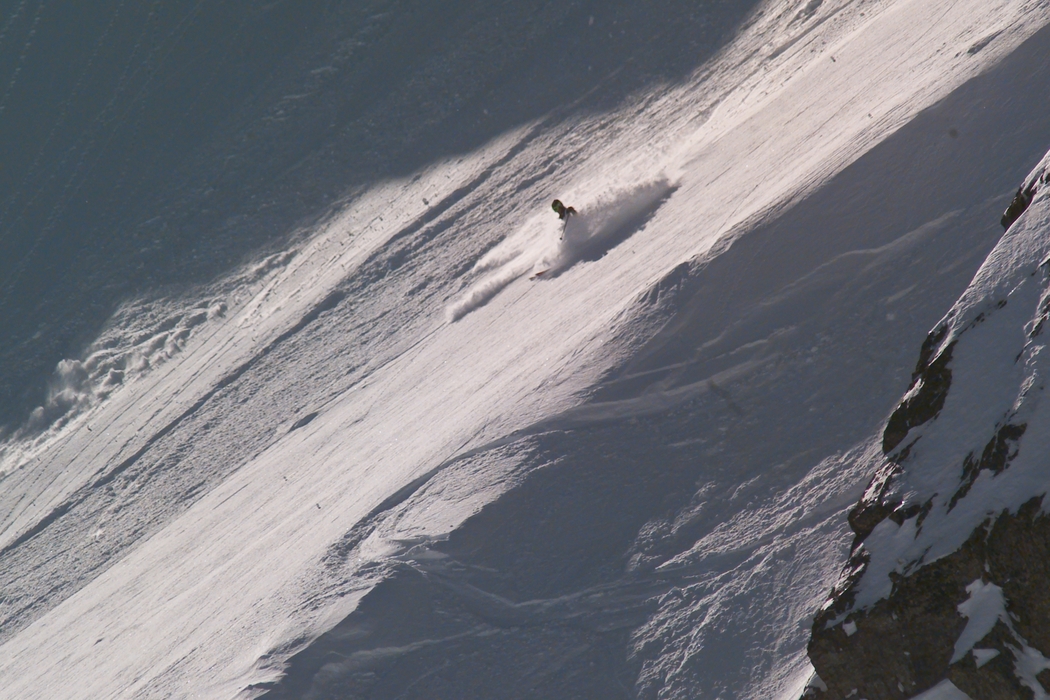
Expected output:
(149, 149)
(946, 583)
(309, 394)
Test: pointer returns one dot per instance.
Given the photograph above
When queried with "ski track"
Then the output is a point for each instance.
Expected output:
(393, 449)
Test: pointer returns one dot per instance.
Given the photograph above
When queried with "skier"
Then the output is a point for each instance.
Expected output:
(563, 211)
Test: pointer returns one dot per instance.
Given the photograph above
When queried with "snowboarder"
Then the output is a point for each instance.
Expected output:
(563, 211)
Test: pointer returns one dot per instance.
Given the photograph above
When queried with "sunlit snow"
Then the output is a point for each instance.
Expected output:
(392, 459)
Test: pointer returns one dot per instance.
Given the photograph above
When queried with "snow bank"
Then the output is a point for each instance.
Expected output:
(954, 526)
(993, 404)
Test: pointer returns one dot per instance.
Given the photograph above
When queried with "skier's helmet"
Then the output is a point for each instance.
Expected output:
(557, 206)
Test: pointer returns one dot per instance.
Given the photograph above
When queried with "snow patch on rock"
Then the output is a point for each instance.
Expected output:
(982, 610)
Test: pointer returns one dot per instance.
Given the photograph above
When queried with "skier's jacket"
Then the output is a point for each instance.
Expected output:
(563, 211)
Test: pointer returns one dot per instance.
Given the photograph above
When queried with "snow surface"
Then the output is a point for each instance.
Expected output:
(945, 690)
(384, 461)
(982, 609)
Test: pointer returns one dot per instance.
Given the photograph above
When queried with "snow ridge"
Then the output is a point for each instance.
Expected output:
(996, 377)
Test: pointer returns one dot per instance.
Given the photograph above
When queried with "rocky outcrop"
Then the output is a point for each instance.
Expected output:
(947, 578)
(929, 387)
(905, 643)
(1025, 194)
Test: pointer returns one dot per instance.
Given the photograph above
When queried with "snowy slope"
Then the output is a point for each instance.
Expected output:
(386, 463)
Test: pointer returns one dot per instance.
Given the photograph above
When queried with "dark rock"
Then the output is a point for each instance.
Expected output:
(1025, 194)
(1018, 554)
(1044, 313)
(995, 679)
(1018, 204)
(903, 645)
(871, 509)
(1044, 678)
(905, 513)
(997, 455)
(932, 378)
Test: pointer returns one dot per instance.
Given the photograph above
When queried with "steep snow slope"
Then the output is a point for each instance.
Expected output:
(148, 146)
(393, 461)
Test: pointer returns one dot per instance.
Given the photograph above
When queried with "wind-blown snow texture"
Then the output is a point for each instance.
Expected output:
(287, 417)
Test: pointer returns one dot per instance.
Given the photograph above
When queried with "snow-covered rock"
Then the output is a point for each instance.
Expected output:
(947, 577)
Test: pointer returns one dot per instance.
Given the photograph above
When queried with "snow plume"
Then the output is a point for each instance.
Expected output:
(70, 392)
(483, 292)
(143, 334)
(605, 223)
(69, 389)
(548, 247)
